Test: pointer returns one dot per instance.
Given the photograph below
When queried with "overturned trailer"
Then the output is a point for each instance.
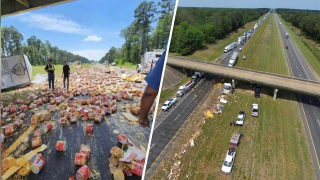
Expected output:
(16, 72)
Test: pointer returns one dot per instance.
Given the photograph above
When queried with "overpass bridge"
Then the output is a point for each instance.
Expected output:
(268, 79)
(11, 7)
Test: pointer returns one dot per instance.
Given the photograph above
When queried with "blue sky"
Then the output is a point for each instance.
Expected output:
(85, 27)
(293, 4)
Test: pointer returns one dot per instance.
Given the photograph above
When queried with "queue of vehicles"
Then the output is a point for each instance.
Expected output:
(182, 90)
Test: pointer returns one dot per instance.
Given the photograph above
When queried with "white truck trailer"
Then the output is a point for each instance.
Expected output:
(230, 47)
(16, 72)
(233, 59)
(148, 60)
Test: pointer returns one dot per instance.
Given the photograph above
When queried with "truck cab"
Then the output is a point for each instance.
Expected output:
(148, 60)
(195, 78)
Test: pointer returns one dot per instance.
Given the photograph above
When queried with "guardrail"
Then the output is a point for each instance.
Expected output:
(272, 84)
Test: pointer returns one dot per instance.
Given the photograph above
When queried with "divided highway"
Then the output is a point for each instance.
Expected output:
(309, 105)
(169, 125)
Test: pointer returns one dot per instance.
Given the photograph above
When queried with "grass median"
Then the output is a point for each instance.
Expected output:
(264, 51)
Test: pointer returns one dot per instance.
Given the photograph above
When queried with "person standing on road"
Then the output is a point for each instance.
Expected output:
(66, 74)
(234, 124)
(50, 70)
(151, 91)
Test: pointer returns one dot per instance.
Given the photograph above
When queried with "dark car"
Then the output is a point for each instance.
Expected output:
(257, 92)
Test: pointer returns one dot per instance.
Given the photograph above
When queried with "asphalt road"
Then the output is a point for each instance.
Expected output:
(309, 105)
(60, 165)
(168, 124)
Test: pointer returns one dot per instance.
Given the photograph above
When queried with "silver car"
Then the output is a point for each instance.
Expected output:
(244, 57)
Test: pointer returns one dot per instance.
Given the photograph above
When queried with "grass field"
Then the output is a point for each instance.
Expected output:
(264, 50)
(58, 71)
(213, 51)
(309, 48)
(273, 146)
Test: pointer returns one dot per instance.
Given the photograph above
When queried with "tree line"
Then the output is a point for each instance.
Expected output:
(140, 36)
(38, 52)
(308, 21)
(194, 28)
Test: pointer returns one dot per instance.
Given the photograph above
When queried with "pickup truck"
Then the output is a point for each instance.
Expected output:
(173, 100)
(166, 106)
(240, 119)
(255, 110)
(228, 161)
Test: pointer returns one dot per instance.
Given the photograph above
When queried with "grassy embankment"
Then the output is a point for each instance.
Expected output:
(309, 48)
(274, 145)
(213, 51)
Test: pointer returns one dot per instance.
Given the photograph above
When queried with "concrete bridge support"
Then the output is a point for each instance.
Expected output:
(275, 94)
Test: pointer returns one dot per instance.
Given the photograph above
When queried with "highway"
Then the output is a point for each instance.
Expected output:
(269, 79)
(170, 124)
(309, 105)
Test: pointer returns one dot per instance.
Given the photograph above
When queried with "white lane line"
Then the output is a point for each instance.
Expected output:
(152, 145)
(299, 59)
(310, 101)
(318, 122)
(176, 106)
(176, 118)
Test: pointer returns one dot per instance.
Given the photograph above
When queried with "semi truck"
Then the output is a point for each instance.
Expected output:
(249, 36)
(230, 47)
(240, 39)
(148, 60)
(16, 72)
(233, 59)
(199, 73)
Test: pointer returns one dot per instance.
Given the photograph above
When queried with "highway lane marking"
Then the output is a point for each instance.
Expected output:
(176, 133)
(309, 131)
(177, 106)
(152, 145)
(306, 120)
(176, 118)
(299, 59)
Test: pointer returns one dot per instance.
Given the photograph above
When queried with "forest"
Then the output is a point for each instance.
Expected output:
(308, 21)
(194, 28)
(38, 52)
(140, 36)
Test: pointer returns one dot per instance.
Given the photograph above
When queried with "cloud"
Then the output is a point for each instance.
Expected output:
(53, 22)
(91, 54)
(93, 38)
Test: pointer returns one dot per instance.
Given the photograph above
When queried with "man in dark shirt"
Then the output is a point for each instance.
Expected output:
(50, 70)
(66, 74)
